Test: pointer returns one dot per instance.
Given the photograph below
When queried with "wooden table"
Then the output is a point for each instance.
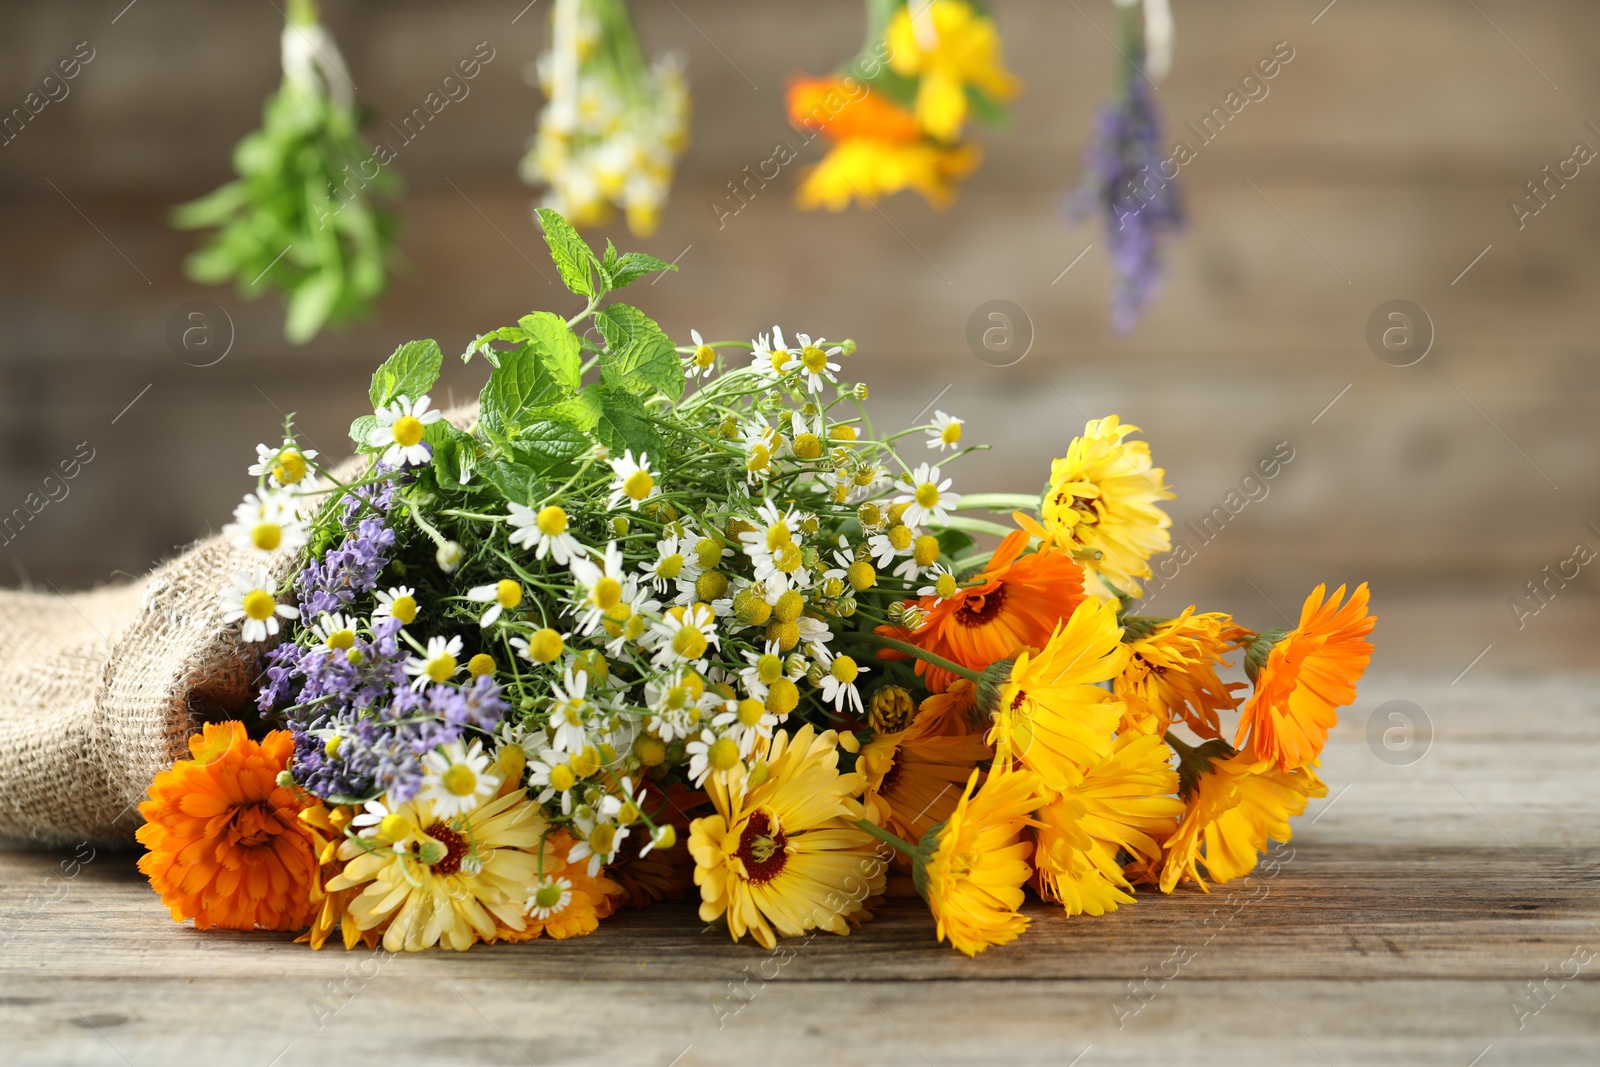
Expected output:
(1434, 910)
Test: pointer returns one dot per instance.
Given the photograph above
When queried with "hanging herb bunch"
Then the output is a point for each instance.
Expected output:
(897, 112)
(1123, 178)
(303, 216)
(614, 124)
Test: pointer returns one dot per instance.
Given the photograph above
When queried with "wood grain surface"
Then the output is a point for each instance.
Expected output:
(1440, 906)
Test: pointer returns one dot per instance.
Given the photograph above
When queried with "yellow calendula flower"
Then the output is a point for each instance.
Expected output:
(1124, 804)
(1235, 803)
(971, 869)
(868, 169)
(1049, 711)
(914, 776)
(948, 45)
(1102, 499)
(784, 856)
(1172, 674)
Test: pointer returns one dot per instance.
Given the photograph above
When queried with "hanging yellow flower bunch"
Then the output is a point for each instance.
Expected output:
(895, 115)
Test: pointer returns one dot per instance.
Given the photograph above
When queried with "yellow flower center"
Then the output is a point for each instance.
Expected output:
(760, 456)
(789, 606)
(814, 358)
(290, 468)
(787, 559)
(480, 665)
(844, 669)
(712, 585)
(951, 433)
(266, 536)
(548, 896)
(832, 587)
(441, 667)
(332, 746)
(750, 711)
(408, 430)
(552, 520)
(723, 754)
(786, 634)
(862, 575)
(946, 586)
(695, 685)
(459, 780)
(925, 550)
(586, 762)
(395, 827)
(404, 608)
(603, 839)
(778, 357)
(606, 593)
(769, 668)
(869, 514)
(259, 604)
(670, 566)
(778, 535)
(843, 432)
(900, 538)
(808, 446)
(507, 594)
(545, 646)
(342, 639)
(704, 357)
(783, 696)
(562, 778)
(638, 485)
(651, 751)
(689, 642)
(592, 662)
(707, 553)
(927, 494)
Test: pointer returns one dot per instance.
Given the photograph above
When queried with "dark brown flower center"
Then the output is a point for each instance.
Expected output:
(762, 848)
(978, 609)
(455, 848)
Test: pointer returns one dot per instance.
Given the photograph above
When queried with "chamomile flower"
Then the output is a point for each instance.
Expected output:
(570, 712)
(251, 597)
(266, 523)
(945, 431)
(633, 483)
(891, 543)
(929, 498)
(600, 587)
(287, 465)
(685, 635)
(808, 438)
(812, 362)
(924, 554)
(856, 575)
(336, 631)
(769, 355)
(674, 564)
(710, 753)
(544, 646)
(545, 531)
(399, 602)
(761, 443)
(457, 778)
(628, 622)
(814, 638)
(748, 722)
(501, 597)
(763, 670)
(839, 684)
(438, 664)
(600, 841)
(703, 360)
(771, 546)
(550, 896)
(552, 775)
(676, 705)
(943, 583)
(401, 425)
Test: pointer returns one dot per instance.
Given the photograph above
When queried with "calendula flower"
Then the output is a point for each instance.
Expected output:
(915, 776)
(945, 431)
(285, 466)
(930, 499)
(1235, 803)
(971, 868)
(398, 602)
(502, 596)
(401, 425)
(1122, 806)
(784, 856)
(438, 663)
(633, 483)
(457, 778)
(252, 598)
(1049, 713)
(1102, 498)
(1017, 600)
(1309, 673)
(949, 46)
(545, 531)
(453, 881)
(839, 683)
(1172, 674)
(225, 845)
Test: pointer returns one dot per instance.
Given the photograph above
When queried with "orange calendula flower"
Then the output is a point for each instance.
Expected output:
(1236, 802)
(1017, 601)
(951, 713)
(1123, 805)
(1309, 673)
(843, 108)
(972, 868)
(225, 843)
(1172, 675)
(914, 777)
(565, 900)
(1049, 711)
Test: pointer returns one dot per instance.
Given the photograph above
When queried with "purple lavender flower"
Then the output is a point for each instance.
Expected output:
(1123, 181)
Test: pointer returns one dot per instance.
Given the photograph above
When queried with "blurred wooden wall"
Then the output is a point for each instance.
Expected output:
(1378, 167)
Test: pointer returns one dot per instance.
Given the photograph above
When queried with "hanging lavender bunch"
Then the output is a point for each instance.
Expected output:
(1123, 182)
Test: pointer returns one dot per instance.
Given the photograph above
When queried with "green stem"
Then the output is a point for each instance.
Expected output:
(927, 657)
(886, 837)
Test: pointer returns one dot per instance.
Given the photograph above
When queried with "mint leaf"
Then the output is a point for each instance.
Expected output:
(410, 372)
(623, 424)
(514, 481)
(361, 431)
(572, 257)
(484, 343)
(634, 266)
(547, 443)
(581, 411)
(638, 355)
(560, 352)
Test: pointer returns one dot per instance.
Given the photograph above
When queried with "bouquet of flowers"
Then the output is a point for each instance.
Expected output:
(665, 618)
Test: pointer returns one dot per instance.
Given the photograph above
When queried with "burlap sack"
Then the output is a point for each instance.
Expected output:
(99, 691)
